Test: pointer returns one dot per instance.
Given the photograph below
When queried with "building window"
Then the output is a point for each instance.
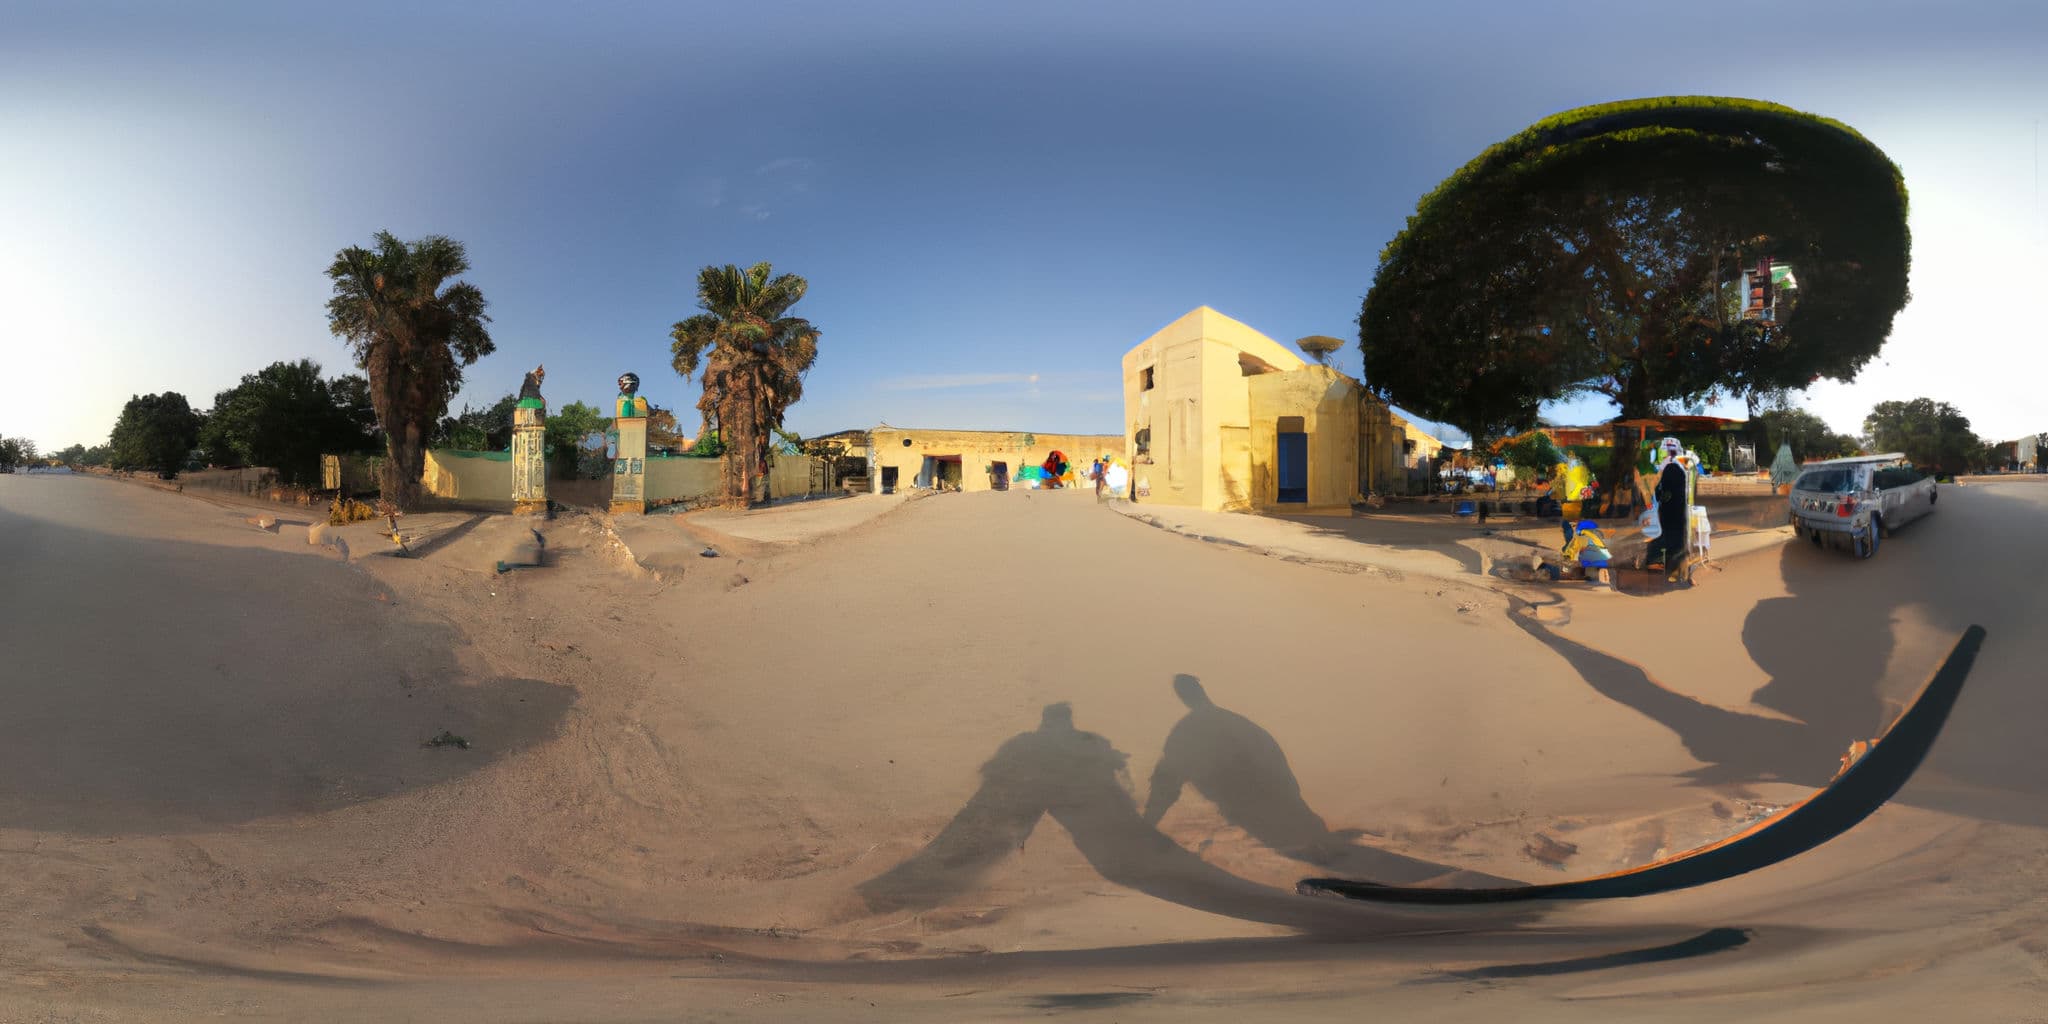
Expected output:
(1145, 379)
(1143, 439)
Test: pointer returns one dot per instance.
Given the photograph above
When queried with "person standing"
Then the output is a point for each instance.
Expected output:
(1673, 509)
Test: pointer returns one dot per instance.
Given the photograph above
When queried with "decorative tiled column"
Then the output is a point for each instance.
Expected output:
(629, 468)
(529, 458)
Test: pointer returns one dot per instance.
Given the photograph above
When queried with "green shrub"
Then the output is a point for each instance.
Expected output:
(1598, 458)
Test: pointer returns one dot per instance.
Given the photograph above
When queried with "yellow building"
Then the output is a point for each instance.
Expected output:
(900, 458)
(1417, 446)
(1219, 416)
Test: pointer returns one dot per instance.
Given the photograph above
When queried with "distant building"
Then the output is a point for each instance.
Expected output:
(900, 458)
(1219, 416)
(1418, 446)
(2027, 450)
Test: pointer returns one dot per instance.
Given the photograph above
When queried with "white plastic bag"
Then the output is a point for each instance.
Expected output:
(1652, 529)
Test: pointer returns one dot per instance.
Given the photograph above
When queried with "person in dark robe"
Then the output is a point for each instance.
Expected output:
(1672, 509)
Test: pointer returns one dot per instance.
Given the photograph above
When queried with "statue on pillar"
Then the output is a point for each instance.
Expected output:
(630, 402)
(629, 468)
(529, 447)
(529, 389)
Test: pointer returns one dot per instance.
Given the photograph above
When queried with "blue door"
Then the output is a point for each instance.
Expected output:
(1292, 465)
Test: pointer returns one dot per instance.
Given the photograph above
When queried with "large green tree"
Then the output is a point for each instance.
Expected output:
(568, 431)
(412, 328)
(1809, 435)
(16, 451)
(1603, 250)
(284, 416)
(1930, 433)
(155, 432)
(480, 430)
(753, 356)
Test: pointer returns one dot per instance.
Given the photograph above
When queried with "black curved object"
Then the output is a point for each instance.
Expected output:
(1853, 796)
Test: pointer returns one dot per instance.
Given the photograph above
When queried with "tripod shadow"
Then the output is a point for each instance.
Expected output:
(1240, 768)
(1076, 777)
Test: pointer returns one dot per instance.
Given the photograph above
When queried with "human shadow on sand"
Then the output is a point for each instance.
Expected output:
(1076, 777)
(1240, 768)
(1733, 746)
(165, 686)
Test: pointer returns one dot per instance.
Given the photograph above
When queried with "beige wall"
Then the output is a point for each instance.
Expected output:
(486, 477)
(789, 475)
(1198, 408)
(1379, 449)
(977, 450)
(247, 481)
(1327, 403)
(677, 478)
(469, 477)
(682, 478)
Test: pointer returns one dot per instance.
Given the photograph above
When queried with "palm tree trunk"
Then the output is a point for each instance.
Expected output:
(762, 431)
(404, 464)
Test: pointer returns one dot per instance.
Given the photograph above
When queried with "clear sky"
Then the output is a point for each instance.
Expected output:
(992, 201)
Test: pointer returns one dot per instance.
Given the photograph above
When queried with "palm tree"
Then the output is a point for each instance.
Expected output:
(412, 336)
(753, 356)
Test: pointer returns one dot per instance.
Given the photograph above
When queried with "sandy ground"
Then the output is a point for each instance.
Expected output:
(907, 771)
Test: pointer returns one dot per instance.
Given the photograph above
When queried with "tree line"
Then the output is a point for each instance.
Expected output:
(413, 326)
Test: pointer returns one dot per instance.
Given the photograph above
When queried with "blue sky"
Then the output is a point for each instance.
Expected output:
(992, 202)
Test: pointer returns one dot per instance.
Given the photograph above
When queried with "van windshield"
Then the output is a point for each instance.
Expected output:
(1832, 480)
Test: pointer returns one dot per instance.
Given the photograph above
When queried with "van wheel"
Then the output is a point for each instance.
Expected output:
(1866, 542)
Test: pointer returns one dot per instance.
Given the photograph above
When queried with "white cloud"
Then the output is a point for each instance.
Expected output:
(754, 210)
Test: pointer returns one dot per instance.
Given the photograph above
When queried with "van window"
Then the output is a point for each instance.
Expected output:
(1832, 480)
(1897, 476)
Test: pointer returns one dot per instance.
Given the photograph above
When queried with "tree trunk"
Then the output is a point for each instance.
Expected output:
(736, 430)
(404, 465)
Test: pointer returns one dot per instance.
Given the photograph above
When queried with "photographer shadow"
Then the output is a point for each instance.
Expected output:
(1077, 778)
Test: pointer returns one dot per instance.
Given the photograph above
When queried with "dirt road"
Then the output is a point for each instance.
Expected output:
(908, 772)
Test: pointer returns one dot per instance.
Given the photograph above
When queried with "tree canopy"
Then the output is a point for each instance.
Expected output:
(412, 329)
(480, 430)
(753, 356)
(16, 451)
(285, 416)
(1603, 250)
(568, 430)
(1809, 435)
(1930, 433)
(155, 432)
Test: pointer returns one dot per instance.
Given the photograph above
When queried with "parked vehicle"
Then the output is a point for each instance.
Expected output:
(1859, 501)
